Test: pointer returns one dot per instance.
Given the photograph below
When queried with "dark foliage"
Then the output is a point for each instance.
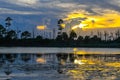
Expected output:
(10, 38)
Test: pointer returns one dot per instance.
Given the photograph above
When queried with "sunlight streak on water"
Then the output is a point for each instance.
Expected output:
(82, 64)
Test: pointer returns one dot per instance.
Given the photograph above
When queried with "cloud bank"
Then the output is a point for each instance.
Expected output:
(34, 11)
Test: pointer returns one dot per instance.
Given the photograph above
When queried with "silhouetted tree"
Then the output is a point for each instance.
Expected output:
(25, 35)
(64, 36)
(8, 21)
(99, 34)
(117, 33)
(73, 35)
(59, 37)
(80, 39)
(2, 31)
(39, 37)
(95, 39)
(60, 28)
(60, 21)
(87, 39)
(106, 35)
(11, 34)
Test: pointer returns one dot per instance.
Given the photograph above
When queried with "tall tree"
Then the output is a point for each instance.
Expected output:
(106, 35)
(8, 21)
(60, 27)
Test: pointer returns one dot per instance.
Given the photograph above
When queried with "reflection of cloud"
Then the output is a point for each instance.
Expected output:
(41, 60)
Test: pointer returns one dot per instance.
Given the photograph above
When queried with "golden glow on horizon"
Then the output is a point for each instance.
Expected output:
(80, 62)
(106, 20)
(41, 27)
(79, 26)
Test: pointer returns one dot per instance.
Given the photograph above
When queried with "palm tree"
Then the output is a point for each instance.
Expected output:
(25, 35)
(60, 22)
(8, 21)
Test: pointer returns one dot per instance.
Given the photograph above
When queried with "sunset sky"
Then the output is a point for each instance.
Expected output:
(82, 14)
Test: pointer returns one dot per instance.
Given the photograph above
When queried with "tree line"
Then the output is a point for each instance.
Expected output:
(9, 37)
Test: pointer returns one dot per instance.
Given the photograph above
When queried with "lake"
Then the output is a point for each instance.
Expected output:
(38, 63)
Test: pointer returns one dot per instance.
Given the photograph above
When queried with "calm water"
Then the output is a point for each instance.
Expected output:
(59, 63)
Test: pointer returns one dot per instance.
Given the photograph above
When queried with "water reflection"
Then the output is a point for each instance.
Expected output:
(77, 65)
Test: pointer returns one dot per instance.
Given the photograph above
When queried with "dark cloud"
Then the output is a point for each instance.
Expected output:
(31, 12)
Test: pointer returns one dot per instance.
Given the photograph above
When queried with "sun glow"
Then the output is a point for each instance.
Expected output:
(83, 61)
(78, 62)
(41, 27)
(79, 26)
(87, 21)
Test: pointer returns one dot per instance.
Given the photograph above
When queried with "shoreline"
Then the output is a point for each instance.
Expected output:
(61, 46)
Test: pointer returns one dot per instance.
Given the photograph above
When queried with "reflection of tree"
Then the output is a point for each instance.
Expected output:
(39, 55)
(25, 57)
(64, 57)
(8, 71)
(10, 57)
(2, 61)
